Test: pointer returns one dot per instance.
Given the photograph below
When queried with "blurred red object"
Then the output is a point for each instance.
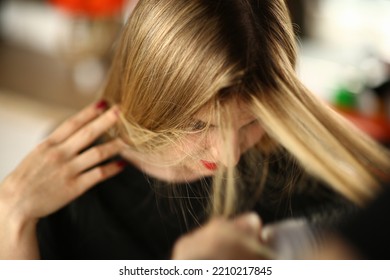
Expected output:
(378, 127)
(92, 8)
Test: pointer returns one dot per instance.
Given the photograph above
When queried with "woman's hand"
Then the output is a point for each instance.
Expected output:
(224, 239)
(59, 169)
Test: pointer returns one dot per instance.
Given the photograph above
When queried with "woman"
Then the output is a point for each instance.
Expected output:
(212, 120)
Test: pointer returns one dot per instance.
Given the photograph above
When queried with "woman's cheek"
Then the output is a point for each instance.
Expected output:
(192, 145)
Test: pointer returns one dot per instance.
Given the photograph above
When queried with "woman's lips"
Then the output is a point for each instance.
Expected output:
(209, 165)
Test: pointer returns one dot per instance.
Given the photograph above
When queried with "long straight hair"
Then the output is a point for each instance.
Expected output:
(177, 56)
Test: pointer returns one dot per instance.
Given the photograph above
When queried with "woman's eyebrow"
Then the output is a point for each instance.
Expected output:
(206, 123)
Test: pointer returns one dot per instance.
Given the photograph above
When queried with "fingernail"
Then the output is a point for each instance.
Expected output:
(122, 163)
(101, 105)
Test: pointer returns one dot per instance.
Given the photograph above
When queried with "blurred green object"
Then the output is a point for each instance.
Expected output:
(345, 99)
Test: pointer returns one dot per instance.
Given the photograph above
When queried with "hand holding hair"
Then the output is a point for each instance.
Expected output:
(221, 238)
(56, 172)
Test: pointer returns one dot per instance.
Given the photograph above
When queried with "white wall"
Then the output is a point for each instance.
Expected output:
(23, 124)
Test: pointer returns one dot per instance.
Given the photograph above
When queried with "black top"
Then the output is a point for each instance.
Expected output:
(131, 216)
(369, 230)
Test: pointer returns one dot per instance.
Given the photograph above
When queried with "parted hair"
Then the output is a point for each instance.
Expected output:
(175, 57)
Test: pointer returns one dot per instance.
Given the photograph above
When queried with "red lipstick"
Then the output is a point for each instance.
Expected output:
(209, 165)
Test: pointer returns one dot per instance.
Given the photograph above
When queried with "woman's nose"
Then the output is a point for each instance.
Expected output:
(227, 152)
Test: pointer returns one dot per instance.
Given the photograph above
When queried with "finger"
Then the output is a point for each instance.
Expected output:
(249, 223)
(76, 122)
(253, 249)
(96, 175)
(89, 133)
(95, 155)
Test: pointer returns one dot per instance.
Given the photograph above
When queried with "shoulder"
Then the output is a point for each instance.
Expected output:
(61, 234)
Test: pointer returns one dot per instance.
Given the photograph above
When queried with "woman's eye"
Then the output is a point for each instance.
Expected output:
(198, 125)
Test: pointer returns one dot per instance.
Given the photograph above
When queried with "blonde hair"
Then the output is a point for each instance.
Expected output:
(177, 56)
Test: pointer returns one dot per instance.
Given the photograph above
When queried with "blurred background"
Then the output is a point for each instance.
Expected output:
(54, 56)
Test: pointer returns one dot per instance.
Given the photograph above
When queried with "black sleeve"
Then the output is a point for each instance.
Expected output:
(55, 238)
(307, 198)
(369, 230)
(322, 206)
